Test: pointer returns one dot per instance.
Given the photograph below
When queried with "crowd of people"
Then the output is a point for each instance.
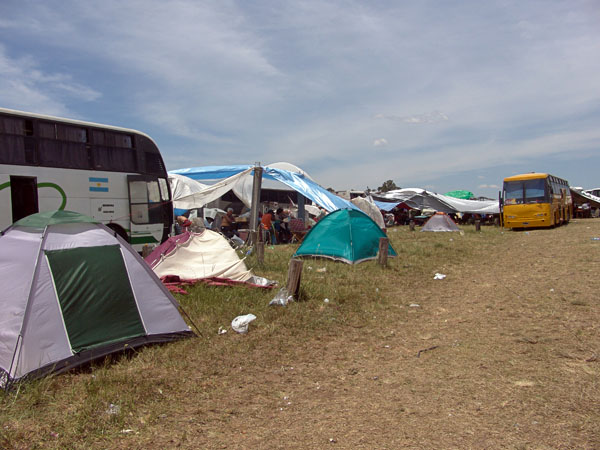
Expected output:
(274, 223)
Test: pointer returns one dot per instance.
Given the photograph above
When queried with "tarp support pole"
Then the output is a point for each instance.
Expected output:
(294, 276)
(260, 251)
(256, 187)
(382, 255)
(301, 210)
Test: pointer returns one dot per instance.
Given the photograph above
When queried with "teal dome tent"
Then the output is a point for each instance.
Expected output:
(344, 235)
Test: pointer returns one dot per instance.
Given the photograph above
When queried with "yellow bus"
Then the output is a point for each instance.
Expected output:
(536, 200)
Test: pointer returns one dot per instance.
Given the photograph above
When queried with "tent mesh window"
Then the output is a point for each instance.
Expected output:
(95, 296)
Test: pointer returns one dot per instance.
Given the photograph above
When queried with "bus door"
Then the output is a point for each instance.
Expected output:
(145, 209)
(23, 196)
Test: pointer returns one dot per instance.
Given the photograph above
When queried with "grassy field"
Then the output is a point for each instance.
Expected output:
(502, 353)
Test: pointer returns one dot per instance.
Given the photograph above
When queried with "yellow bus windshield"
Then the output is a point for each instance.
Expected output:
(525, 192)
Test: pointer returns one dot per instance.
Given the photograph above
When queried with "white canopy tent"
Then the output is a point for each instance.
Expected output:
(421, 199)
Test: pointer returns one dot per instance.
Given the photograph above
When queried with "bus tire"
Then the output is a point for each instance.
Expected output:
(118, 230)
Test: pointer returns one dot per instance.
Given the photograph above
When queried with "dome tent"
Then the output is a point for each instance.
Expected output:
(440, 221)
(346, 235)
(190, 257)
(74, 291)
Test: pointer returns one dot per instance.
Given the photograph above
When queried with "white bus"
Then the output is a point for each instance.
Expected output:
(115, 175)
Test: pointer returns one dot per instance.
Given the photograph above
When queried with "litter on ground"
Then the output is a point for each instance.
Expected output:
(240, 323)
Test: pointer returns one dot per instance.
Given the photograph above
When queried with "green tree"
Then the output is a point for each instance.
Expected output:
(388, 185)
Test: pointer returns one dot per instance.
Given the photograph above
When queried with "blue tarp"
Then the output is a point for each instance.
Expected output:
(386, 206)
(210, 172)
(296, 181)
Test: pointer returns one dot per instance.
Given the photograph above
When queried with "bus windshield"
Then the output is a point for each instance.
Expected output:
(525, 191)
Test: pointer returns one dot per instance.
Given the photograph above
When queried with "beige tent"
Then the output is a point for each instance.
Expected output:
(367, 206)
(196, 256)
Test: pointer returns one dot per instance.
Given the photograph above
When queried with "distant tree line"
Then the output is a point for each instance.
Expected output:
(388, 185)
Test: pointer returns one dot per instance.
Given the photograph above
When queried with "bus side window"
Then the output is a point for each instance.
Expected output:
(164, 189)
(145, 199)
(139, 201)
(153, 192)
(153, 163)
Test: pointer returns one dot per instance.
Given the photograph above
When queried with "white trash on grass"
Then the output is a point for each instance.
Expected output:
(439, 276)
(240, 323)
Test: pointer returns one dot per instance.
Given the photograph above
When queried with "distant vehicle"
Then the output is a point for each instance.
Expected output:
(595, 192)
(536, 200)
(115, 175)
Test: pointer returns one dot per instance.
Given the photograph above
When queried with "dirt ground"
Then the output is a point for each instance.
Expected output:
(502, 353)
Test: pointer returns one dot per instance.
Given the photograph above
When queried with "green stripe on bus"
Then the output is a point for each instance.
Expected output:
(41, 185)
(60, 191)
(143, 240)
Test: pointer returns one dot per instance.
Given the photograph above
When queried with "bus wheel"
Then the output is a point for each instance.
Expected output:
(119, 230)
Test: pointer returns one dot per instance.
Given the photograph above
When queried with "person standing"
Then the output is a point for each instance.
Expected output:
(228, 223)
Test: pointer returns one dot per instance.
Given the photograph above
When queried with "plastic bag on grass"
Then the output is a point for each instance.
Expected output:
(240, 323)
(282, 298)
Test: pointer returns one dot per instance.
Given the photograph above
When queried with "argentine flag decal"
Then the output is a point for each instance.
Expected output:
(98, 184)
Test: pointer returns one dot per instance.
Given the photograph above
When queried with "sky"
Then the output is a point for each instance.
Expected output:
(440, 95)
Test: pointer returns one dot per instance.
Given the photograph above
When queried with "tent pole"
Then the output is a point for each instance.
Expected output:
(256, 187)
(301, 210)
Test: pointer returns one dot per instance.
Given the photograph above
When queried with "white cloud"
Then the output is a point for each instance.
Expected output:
(488, 186)
(25, 86)
(432, 117)
(314, 82)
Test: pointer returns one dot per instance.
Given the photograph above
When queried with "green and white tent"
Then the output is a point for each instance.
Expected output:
(73, 291)
(346, 235)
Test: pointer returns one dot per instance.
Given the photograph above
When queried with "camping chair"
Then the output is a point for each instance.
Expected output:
(298, 229)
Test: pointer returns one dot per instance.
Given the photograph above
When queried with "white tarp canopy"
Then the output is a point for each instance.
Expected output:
(421, 199)
(189, 193)
(586, 197)
(240, 179)
(182, 187)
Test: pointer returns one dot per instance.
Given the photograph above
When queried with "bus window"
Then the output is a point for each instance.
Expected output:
(154, 163)
(535, 191)
(138, 195)
(63, 154)
(47, 130)
(72, 134)
(153, 192)
(112, 158)
(13, 151)
(164, 189)
(11, 126)
(145, 200)
(513, 192)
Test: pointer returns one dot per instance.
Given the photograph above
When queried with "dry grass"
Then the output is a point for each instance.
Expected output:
(503, 353)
